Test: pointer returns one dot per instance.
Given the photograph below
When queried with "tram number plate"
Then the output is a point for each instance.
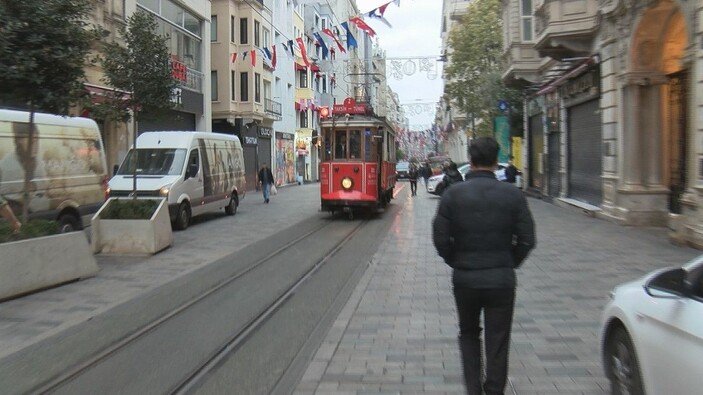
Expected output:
(371, 176)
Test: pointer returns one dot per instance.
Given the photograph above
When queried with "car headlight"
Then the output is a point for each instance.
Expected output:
(347, 183)
(164, 191)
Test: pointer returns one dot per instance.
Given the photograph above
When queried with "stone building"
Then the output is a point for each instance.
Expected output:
(613, 89)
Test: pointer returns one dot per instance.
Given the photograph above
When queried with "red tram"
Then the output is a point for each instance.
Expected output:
(358, 160)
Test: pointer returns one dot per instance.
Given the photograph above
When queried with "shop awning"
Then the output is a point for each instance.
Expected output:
(554, 84)
(300, 67)
(99, 94)
(315, 68)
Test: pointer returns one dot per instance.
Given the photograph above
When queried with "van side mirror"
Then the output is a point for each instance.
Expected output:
(114, 169)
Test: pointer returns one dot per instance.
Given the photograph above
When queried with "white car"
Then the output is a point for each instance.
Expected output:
(652, 333)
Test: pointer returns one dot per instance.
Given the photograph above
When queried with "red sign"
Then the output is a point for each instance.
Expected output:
(178, 70)
(349, 107)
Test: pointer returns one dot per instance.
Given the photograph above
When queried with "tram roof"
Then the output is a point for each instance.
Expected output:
(357, 120)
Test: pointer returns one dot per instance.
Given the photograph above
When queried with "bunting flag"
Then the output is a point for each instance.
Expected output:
(381, 10)
(325, 51)
(266, 56)
(234, 57)
(253, 57)
(292, 48)
(331, 34)
(244, 55)
(302, 51)
(273, 57)
(351, 41)
(287, 51)
(362, 25)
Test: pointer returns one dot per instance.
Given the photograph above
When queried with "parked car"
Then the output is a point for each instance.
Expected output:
(402, 169)
(652, 333)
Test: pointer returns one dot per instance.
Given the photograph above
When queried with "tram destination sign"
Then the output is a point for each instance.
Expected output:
(349, 107)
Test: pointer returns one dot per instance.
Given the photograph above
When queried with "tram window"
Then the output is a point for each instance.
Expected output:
(328, 148)
(340, 144)
(354, 144)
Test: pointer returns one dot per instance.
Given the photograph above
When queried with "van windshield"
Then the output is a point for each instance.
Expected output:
(153, 161)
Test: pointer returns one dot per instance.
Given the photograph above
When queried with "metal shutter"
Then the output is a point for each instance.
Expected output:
(585, 153)
(251, 166)
(265, 152)
(536, 150)
(554, 160)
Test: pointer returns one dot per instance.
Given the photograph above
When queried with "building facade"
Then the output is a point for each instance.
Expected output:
(612, 99)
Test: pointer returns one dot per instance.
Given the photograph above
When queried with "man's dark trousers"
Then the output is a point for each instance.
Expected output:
(497, 305)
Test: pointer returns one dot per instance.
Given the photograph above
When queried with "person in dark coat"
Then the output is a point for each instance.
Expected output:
(412, 176)
(451, 175)
(511, 172)
(426, 173)
(484, 230)
(266, 180)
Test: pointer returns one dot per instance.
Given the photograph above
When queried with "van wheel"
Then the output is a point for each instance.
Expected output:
(182, 217)
(231, 208)
(68, 223)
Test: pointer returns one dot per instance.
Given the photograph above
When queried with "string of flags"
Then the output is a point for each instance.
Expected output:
(268, 54)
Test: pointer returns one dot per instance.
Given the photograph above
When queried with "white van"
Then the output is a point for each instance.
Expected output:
(70, 173)
(196, 172)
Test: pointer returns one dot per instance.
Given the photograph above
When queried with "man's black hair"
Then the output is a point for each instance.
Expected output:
(484, 151)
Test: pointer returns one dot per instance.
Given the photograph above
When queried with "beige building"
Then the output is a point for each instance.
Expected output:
(615, 88)
(242, 99)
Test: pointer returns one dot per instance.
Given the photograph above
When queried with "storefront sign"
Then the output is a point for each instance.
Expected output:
(250, 140)
(585, 85)
(265, 132)
(179, 70)
(285, 136)
(349, 107)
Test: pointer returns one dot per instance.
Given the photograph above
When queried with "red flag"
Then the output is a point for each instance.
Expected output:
(363, 26)
(331, 34)
(253, 57)
(302, 51)
(273, 57)
(234, 57)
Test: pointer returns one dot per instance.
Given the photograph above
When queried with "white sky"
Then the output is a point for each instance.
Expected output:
(415, 33)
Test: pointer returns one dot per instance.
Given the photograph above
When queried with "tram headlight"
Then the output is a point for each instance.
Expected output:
(347, 183)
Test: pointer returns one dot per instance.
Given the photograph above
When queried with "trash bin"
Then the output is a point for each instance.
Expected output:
(300, 180)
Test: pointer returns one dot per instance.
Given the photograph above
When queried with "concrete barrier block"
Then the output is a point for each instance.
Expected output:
(42, 262)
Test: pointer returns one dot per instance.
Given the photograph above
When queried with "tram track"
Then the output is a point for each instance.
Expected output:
(71, 380)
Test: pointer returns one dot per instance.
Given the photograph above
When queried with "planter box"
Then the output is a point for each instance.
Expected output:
(42, 262)
(132, 236)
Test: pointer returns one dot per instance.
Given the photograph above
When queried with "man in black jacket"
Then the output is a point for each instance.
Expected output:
(484, 230)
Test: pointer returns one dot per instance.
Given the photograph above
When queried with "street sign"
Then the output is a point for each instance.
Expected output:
(503, 105)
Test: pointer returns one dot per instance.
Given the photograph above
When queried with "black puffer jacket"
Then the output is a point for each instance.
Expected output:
(484, 230)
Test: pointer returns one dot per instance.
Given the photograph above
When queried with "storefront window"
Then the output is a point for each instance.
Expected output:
(152, 5)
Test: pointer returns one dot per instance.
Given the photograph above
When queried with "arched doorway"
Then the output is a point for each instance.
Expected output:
(658, 56)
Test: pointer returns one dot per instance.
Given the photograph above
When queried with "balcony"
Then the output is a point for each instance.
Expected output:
(274, 109)
(193, 81)
(565, 29)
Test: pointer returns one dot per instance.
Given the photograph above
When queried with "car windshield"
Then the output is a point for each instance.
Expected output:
(152, 161)
(402, 166)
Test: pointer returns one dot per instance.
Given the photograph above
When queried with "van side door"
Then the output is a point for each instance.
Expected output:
(193, 183)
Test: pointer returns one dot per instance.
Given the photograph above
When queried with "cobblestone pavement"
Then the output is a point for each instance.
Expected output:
(397, 333)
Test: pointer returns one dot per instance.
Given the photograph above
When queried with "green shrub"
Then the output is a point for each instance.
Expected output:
(129, 209)
(33, 228)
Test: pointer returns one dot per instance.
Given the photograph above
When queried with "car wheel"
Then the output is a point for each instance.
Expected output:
(623, 369)
(68, 223)
(182, 217)
(231, 208)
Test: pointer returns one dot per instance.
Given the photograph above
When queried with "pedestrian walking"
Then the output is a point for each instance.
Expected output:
(451, 175)
(266, 180)
(484, 230)
(426, 173)
(412, 176)
(511, 172)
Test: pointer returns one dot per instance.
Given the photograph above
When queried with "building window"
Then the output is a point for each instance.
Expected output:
(213, 28)
(526, 20)
(233, 76)
(267, 38)
(213, 82)
(257, 27)
(257, 87)
(304, 119)
(244, 87)
(303, 77)
(231, 28)
(324, 84)
(243, 28)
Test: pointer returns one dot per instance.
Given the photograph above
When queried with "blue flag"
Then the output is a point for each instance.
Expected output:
(325, 51)
(351, 41)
